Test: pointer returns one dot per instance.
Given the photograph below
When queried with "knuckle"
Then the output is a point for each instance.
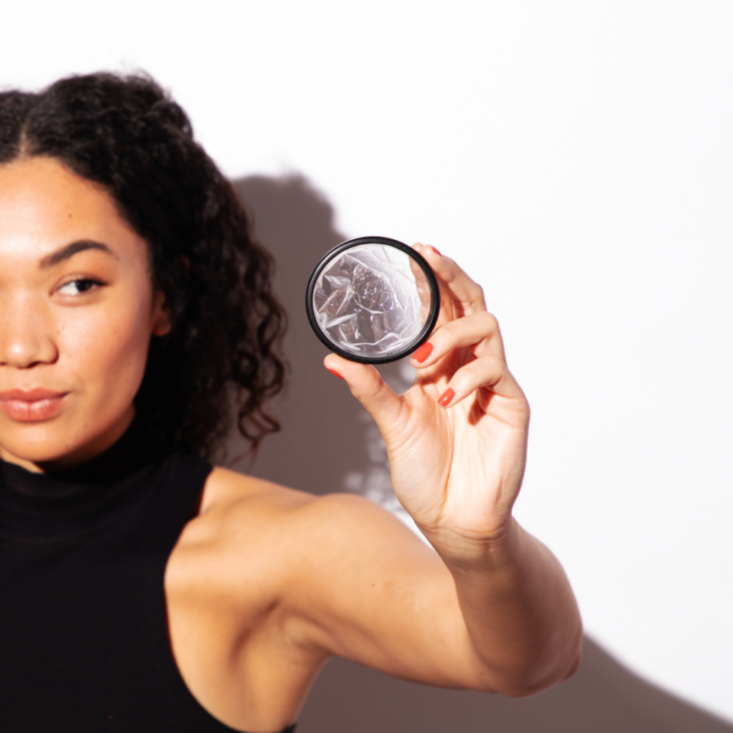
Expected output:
(493, 366)
(490, 321)
(450, 271)
(494, 361)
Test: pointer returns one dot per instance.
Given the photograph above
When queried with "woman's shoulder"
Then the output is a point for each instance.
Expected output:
(244, 516)
(227, 490)
(252, 538)
(236, 497)
(237, 512)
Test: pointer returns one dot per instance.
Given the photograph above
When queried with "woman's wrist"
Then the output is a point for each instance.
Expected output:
(469, 553)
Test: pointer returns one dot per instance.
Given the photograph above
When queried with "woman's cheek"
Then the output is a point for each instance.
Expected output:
(108, 350)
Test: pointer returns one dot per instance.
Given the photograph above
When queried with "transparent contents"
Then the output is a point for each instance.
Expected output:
(372, 300)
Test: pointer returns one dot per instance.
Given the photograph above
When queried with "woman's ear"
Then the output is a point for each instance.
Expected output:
(161, 315)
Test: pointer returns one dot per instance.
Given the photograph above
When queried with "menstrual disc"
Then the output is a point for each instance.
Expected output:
(373, 300)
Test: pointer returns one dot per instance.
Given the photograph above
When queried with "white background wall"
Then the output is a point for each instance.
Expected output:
(575, 157)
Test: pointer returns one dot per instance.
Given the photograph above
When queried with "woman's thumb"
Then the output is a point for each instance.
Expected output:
(367, 385)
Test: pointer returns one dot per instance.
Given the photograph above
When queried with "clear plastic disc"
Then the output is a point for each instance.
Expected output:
(372, 299)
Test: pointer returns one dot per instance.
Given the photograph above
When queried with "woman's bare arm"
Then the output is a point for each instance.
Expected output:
(489, 608)
(493, 608)
(363, 587)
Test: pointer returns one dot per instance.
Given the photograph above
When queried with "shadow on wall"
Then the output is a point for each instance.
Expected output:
(328, 444)
(603, 697)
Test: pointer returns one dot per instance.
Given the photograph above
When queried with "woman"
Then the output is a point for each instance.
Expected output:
(142, 588)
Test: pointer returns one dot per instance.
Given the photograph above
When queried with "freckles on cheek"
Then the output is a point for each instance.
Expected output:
(108, 345)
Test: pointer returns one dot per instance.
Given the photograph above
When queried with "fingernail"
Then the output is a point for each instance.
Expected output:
(446, 397)
(423, 352)
(333, 371)
(435, 250)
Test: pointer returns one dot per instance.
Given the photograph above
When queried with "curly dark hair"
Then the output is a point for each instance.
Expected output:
(126, 134)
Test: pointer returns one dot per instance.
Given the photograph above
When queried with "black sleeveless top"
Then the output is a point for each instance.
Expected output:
(83, 633)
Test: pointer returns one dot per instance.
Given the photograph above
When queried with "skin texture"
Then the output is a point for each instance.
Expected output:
(252, 616)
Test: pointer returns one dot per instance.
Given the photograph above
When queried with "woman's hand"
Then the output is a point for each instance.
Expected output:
(457, 439)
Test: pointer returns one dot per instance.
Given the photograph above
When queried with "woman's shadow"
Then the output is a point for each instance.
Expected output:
(328, 444)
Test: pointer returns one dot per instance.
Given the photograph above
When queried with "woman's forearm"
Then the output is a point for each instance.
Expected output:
(519, 609)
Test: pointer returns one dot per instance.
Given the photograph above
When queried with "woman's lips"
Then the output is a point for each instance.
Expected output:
(33, 405)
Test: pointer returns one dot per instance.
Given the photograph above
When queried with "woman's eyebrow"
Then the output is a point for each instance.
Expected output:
(71, 249)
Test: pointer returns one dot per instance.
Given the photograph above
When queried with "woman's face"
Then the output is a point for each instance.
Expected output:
(77, 311)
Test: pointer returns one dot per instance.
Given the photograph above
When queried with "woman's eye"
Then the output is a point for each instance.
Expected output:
(79, 286)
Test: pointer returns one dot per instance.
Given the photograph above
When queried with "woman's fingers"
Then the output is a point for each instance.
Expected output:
(487, 372)
(465, 294)
(369, 388)
(465, 325)
(478, 331)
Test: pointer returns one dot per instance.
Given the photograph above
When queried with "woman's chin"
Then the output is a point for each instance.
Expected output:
(60, 443)
(35, 444)
(34, 455)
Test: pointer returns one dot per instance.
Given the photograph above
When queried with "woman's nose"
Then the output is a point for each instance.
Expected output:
(26, 333)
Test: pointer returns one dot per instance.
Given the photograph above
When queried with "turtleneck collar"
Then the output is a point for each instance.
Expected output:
(72, 503)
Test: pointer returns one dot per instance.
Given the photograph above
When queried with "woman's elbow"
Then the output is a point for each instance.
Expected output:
(537, 676)
(562, 669)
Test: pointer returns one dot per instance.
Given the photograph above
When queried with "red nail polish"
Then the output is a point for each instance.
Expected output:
(423, 352)
(435, 249)
(446, 397)
(333, 371)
